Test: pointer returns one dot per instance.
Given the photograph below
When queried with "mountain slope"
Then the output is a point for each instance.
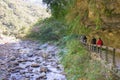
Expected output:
(18, 14)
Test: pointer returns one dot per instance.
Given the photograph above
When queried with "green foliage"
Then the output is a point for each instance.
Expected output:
(108, 12)
(48, 30)
(17, 16)
(75, 27)
(98, 23)
(59, 8)
(78, 65)
(63, 41)
(74, 60)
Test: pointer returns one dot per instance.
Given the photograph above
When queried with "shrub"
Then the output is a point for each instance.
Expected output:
(48, 30)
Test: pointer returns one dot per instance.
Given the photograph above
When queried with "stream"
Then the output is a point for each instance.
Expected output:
(29, 60)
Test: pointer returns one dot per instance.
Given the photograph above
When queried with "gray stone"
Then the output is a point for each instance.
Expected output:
(44, 55)
(12, 58)
(42, 76)
(30, 54)
(43, 69)
(35, 65)
(22, 60)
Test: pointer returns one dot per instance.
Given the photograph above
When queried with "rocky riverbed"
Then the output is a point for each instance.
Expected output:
(29, 60)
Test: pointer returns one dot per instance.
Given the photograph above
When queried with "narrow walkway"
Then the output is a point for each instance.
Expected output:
(108, 54)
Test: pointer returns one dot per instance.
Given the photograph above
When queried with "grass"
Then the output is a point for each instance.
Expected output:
(78, 65)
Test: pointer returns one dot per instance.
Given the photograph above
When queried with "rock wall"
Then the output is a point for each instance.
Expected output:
(101, 16)
(105, 13)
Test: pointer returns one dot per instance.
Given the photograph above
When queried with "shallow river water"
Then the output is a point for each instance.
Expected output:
(30, 60)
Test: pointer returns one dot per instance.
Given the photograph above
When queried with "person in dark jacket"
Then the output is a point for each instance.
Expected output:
(93, 42)
(84, 39)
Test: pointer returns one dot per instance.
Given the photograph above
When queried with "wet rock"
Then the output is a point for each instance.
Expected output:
(42, 76)
(20, 68)
(2, 58)
(30, 54)
(15, 64)
(13, 78)
(43, 69)
(30, 60)
(44, 64)
(25, 50)
(35, 65)
(53, 54)
(13, 59)
(63, 73)
(44, 46)
(27, 76)
(38, 60)
(59, 67)
(4, 79)
(13, 70)
(44, 55)
(28, 66)
(38, 49)
(22, 60)
(22, 72)
(30, 70)
(26, 79)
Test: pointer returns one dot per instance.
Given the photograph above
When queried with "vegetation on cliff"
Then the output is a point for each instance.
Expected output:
(17, 16)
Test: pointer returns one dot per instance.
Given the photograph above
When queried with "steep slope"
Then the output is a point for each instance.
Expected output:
(101, 16)
(16, 15)
(97, 12)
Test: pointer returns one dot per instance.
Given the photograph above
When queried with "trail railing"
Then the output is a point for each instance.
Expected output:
(108, 54)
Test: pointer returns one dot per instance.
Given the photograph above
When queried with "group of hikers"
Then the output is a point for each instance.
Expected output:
(93, 41)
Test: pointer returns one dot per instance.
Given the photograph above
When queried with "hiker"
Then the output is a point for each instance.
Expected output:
(93, 42)
(99, 44)
(84, 39)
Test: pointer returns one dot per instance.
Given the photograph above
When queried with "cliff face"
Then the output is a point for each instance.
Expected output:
(99, 14)
(17, 14)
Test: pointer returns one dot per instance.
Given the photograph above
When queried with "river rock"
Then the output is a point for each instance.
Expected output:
(20, 68)
(30, 54)
(26, 50)
(45, 55)
(26, 79)
(13, 70)
(22, 60)
(4, 79)
(43, 69)
(35, 65)
(15, 63)
(44, 46)
(38, 60)
(13, 78)
(12, 58)
(30, 70)
(42, 76)
(22, 72)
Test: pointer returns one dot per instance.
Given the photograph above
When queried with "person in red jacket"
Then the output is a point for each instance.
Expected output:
(99, 44)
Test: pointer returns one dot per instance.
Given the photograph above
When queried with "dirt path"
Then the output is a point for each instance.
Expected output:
(29, 60)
